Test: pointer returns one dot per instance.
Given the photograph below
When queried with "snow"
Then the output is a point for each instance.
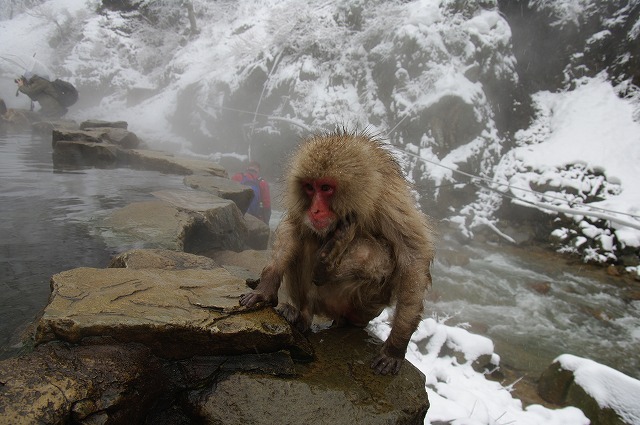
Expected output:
(457, 393)
(590, 126)
(610, 388)
(593, 128)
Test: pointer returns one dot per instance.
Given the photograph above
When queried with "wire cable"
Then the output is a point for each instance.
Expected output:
(538, 204)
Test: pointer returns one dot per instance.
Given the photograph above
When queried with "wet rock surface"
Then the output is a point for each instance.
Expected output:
(338, 387)
(58, 383)
(223, 188)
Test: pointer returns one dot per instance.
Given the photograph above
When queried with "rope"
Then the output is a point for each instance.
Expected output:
(596, 212)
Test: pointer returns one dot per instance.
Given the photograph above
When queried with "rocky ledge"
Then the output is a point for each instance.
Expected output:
(159, 336)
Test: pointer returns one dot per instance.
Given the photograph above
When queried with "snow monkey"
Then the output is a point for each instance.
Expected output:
(351, 243)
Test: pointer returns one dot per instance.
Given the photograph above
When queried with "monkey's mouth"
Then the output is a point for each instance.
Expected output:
(322, 229)
(321, 223)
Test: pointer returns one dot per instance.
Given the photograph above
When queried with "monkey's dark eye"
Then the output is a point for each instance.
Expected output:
(308, 187)
(327, 188)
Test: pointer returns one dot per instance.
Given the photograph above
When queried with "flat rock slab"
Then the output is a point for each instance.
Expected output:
(176, 313)
(222, 187)
(114, 135)
(168, 163)
(161, 259)
(188, 220)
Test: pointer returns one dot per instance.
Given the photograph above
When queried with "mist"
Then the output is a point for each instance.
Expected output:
(517, 122)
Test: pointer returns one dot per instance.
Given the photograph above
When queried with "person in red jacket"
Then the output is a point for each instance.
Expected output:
(260, 205)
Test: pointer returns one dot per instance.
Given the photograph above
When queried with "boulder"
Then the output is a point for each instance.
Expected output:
(185, 220)
(81, 153)
(605, 395)
(259, 233)
(222, 187)
(339, 387)
(124, 383)
(58, 384)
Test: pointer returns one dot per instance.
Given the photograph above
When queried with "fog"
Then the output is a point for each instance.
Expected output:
(497, 129)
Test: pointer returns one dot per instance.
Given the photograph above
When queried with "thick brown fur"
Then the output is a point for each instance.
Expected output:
(377, 253)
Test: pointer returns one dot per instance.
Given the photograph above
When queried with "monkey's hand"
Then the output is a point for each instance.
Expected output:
(386, 363)
(264, 291)
(330, 254)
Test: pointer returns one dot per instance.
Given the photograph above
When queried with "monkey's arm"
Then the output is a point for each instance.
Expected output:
(285, 248)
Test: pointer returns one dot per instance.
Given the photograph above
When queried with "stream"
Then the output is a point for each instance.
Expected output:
(533, 307)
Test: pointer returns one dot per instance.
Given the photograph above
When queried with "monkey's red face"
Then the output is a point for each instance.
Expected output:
(320, 192)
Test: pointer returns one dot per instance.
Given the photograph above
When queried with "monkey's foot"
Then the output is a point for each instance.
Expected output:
(385, 364)
(293, 316)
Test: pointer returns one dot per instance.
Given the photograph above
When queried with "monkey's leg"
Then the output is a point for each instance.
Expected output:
(331, 253)
(284, 250)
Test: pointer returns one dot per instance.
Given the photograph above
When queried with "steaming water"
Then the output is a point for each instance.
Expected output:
(45, 224)
(46, 227)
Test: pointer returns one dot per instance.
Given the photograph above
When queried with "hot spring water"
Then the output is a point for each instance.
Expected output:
(46, 223)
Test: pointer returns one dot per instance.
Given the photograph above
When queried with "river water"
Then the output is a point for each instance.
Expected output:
(534, 307)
